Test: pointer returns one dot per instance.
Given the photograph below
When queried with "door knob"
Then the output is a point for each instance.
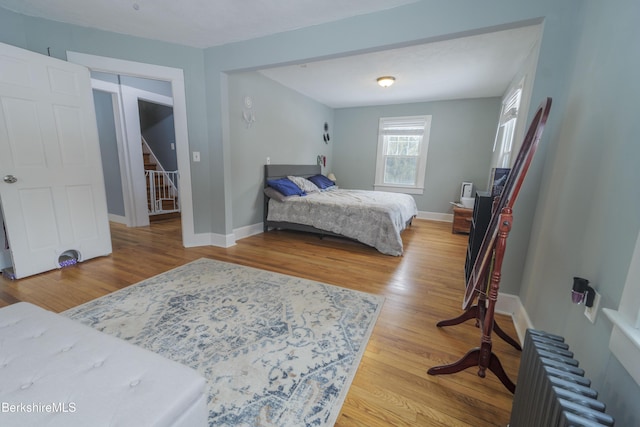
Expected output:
(10, 179)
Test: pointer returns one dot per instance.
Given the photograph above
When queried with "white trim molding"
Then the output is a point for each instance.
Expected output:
(118, 219)
(512, 306)
(435, 216)
(223, 240)
(390, 129)
(248, 230)
(211, 239)
(625, 342)
(625, 336)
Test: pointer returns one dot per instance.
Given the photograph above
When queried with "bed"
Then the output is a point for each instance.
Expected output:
(374, 218)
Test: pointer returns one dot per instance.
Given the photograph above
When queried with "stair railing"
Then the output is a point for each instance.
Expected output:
(163, 191)
(162, 186)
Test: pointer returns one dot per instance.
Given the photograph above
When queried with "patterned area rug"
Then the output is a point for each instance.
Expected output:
(276, 350)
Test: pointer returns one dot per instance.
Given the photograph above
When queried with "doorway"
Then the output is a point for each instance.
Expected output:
(160, 161)
(175, 78)
(136, 120)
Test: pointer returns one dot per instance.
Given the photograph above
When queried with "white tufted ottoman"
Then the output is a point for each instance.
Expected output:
(57, 372)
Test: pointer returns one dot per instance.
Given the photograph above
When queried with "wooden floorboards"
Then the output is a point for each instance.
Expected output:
(391, 387)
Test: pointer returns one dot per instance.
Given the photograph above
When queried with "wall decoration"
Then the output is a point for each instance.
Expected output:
(326, 136)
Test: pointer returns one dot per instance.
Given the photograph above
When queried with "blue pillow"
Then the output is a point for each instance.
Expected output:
(286, 187)
(321, 181)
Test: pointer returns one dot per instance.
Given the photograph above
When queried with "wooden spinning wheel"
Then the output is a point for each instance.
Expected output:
(484, 280)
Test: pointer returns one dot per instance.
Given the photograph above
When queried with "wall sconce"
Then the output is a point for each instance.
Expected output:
(582, 292)
(248, 116)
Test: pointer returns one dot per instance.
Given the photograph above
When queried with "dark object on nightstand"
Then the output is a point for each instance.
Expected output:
(461, 220)
(479, 222)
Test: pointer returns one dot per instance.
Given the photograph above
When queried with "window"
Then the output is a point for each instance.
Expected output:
(402, 153)
(507, 128)
(625, 336)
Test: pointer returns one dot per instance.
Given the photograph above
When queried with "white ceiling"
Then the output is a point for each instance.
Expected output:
(469, 67)
(198, 23)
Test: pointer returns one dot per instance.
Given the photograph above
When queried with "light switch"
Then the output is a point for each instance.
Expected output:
(196, 156)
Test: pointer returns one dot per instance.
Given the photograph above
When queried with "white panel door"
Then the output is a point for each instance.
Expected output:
(51, 182)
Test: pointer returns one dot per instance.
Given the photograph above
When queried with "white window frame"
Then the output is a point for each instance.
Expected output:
(507, 127)
(418, 186)
(625, 336)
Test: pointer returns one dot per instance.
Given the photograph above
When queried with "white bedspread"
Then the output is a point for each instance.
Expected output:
(375, 218)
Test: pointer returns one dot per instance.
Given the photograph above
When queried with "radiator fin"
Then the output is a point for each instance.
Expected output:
(552, 390)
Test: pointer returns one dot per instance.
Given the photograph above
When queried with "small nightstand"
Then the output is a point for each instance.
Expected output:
(461, 220)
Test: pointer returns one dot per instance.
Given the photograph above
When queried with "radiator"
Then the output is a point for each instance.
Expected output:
(552, 390)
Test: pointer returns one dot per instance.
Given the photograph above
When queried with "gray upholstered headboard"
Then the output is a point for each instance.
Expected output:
(281, 171)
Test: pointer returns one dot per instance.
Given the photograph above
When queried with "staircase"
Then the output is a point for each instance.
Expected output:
(162, 189)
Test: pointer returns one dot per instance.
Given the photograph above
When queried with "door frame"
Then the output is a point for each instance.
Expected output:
(130, 97)
(128, 134)
(113, 89)
(176, 77)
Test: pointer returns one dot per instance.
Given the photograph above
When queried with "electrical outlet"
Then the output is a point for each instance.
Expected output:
(592, 312)
(268, 160)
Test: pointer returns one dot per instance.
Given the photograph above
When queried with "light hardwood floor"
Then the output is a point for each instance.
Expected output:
(391, 387)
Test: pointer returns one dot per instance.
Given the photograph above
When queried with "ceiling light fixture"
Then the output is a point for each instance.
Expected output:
(386, 81)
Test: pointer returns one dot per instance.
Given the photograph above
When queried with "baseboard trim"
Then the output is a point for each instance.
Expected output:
(210, 239)
(224, 240)
(512, 306)
(119, 219)
(248, 230)
(435, 216)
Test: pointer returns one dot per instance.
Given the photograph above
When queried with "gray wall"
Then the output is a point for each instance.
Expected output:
(588, 216)
(460, 144)
(288, 129)
(109, 152)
